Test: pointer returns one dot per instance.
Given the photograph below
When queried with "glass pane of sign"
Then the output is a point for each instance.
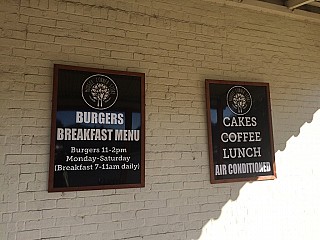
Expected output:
(240, 131)
(97, 137)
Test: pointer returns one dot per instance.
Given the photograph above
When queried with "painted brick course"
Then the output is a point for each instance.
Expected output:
(177, 44)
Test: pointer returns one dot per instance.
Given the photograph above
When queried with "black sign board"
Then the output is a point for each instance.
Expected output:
(240, 131)
(98, 130)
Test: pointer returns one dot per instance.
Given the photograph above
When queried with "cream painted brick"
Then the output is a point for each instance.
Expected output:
(74, 203)
(155, 204)
(101, 30)
(41, 139)
(158, 73)
(83, 211)
(84, 229)
(132, 224)
(135, 65)
(121, 55)
(80, 58)
(7, 217)
(130, 206)
(18, 159)
(86, 51)
(122, 198)
(94, 201)
(55, 232)
(80, 19)
(67, 41)
(90, 236)
(146, 212)
(170, 39)
(34, 234)
(40, 224)
(42, 21)
(37, 186)
(109, 226)
(30, 215)
(110, 208)
(120, 216)
(40, 37)
(122, 16)
(58, 32)
(35, 149)
(40, 205)
(47, 47)
(69, 221)
(12, 59)
(27, 177)
(55, 213)
(97, 218)
(32, 168)
(124, 234)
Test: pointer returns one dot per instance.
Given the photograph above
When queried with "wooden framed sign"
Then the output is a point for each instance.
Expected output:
(239, 131)
(98, 130)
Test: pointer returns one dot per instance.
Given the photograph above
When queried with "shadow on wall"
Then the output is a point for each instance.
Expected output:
(285, 208)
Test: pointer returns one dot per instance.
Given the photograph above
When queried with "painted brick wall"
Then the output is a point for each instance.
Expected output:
(177, 44)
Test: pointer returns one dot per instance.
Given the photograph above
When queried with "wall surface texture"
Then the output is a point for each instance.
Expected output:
(177, 44)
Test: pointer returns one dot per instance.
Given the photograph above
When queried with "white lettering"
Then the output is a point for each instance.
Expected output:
(241, 137)
(250, 152)
(100, 118)
(240, 122)
(127, 135)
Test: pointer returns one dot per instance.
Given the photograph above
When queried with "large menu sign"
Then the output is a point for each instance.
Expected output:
(98, 130)
(240, 131)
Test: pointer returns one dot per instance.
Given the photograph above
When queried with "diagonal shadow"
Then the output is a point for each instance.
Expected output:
(285, 208)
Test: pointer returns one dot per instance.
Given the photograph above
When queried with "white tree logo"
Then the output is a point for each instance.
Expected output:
(239, 100)
(99, 91)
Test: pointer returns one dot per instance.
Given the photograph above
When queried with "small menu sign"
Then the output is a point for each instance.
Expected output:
(240, 131)
(98, 130)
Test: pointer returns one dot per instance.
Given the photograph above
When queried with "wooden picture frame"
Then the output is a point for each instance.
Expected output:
(97, 129)
(239, 131)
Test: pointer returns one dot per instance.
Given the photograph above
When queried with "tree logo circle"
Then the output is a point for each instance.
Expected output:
(239, 100)
(99, 92)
